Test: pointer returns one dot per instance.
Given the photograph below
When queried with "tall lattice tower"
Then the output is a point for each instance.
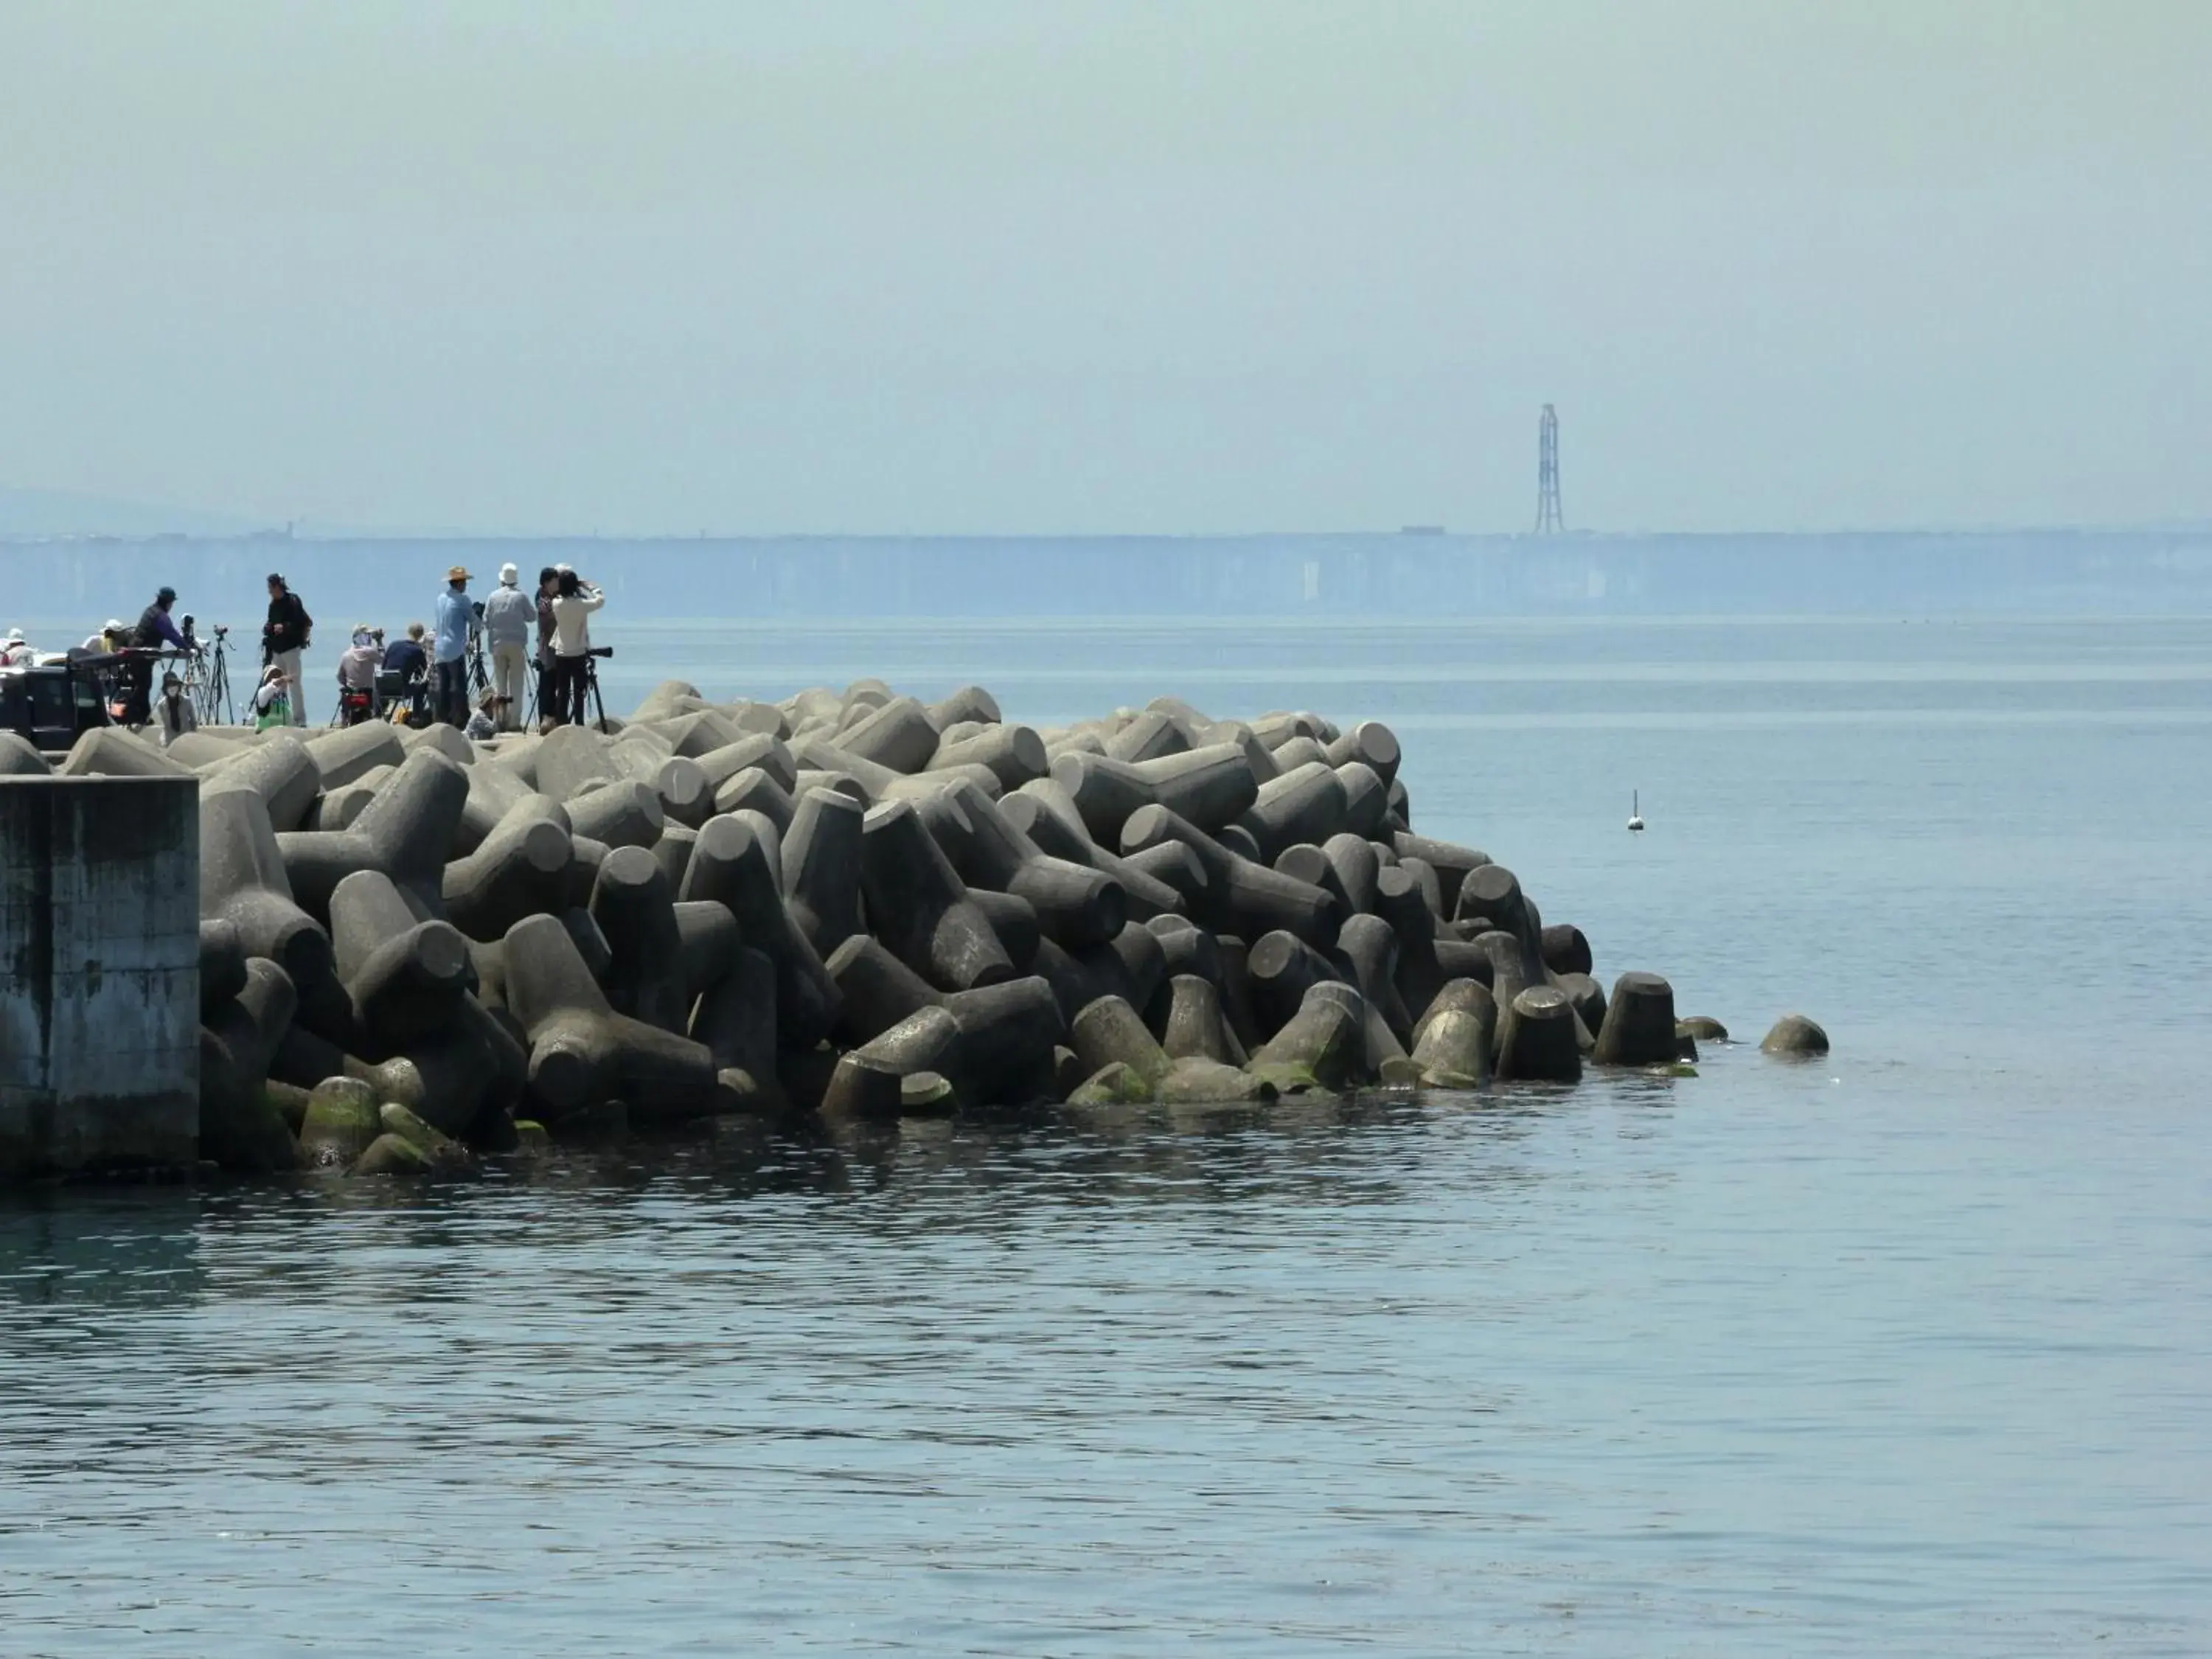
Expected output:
(1549, 520)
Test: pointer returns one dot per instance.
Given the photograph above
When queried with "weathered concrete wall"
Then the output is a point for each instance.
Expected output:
(99, 973)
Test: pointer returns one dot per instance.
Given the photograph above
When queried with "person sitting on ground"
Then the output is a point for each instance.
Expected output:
(270, 704)
(483, 724)
(173, 714)
(16, 651)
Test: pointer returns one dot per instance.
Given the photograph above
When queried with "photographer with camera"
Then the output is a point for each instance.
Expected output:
(283, 637)
(154, 630)
(572, 647)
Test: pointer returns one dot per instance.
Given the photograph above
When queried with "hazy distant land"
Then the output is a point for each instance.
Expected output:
(1402, 575)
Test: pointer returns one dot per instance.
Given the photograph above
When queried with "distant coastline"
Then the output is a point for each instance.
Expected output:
(1384, 573)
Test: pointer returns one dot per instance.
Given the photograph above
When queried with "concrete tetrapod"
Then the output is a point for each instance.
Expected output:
(636, 915)
(1588, 998)
(243, 882)
(732, 863)
(1372, 744)
(238, 1129)
(18, 759)
(109, 752)
(1195, 1028)
(1239, 896)
(1015, 754)
(407, 979)
(1453, 1044)
(1041, 811)
(1076, 905)
(1536, 1038)
(709, 938)
(582, 1053)
(736, 1019)
(1109, 1033)
(876, 990)
(1282, 969)
(1639, 1023)
(1208, 788)
(867, 1082)
(280, 768)
(1007, 1035)
(821, 859)
(223, 965)
(1565, 950)
(1322, 1045)
(897, 734)
(348, 752)
(1306, 804)
(1014, 919)
(919, 907)
(518, 870)
(1794, 1037)
(1367, 949)
(1448, 859)
(623, 813)
(405, 832)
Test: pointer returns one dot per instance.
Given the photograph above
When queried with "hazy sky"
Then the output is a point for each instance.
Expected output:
(1226, 264)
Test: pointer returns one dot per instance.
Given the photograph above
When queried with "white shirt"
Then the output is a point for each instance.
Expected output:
(572, 635)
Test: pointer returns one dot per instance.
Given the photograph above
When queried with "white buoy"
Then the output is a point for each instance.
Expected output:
(1635, 813)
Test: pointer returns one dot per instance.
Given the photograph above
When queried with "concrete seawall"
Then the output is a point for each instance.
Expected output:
(99, 973)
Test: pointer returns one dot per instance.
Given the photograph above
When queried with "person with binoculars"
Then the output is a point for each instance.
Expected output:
(574, 602)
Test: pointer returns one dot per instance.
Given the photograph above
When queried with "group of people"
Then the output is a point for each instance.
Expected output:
(434, 662)
(431, 666)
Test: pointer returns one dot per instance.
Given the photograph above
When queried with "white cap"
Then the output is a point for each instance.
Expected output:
(15, 634)
(111, 627)
(508, 575)
(564, 570)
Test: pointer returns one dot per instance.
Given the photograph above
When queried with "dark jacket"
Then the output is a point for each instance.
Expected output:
(289, 622)
(406, 658)
(155, 629)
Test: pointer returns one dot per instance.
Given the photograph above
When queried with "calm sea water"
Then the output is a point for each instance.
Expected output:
(1907, 1352)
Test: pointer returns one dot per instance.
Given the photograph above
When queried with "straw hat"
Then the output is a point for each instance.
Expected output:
(457, 573)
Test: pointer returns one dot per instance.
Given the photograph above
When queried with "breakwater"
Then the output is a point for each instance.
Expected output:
(412, 949)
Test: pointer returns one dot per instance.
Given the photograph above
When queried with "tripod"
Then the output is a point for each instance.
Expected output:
(207, 681)
(591, 683)
(479, 676)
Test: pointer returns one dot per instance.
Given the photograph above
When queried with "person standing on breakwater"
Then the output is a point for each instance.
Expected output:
(283, 637)
(451, 652)
(572, 643)
(154, 631)
(508, 615)
(549, 589)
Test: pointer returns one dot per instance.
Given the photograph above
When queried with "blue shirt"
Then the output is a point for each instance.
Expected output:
(455, 613)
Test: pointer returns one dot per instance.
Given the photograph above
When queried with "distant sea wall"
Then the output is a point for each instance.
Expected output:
(1407, 574)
